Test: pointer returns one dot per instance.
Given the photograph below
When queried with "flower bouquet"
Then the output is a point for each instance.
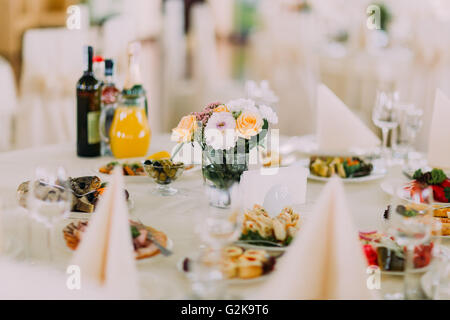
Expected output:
(226, 133)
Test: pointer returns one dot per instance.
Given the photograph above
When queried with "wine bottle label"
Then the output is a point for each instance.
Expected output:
(93, 120)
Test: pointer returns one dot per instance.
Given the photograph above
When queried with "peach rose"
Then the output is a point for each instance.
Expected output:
(184, 132)
(249, 124)
(221, 108)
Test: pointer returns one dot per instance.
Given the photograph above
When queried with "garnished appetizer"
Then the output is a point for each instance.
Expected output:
(383, 251)
(143, 246)
(442, 215)
(343, 167)
(436, 179)
(86, 192)
(238, 263)
(129, 169)
(259, 226)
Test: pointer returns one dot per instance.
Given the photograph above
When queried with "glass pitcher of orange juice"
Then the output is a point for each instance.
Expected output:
(130, 132)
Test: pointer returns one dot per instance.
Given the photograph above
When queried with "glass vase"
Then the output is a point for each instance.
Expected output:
(221, 170)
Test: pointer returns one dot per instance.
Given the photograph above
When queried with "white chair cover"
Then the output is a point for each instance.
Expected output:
(8, 104)
(52, 65)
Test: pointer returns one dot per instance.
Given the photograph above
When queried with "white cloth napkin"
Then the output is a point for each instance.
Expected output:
(439, 140)
(326, 260)
(106, 255)
(283, 186)
(338, 128)
(20, 281)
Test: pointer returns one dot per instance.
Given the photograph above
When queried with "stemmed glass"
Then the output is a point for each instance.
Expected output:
(49, 200)
(384, 116)
(410, 222)
(216, 228)
(410, 123)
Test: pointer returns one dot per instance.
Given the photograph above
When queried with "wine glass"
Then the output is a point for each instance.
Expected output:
(384, 116)
(216, 228)
(49, 200)
(410, 222)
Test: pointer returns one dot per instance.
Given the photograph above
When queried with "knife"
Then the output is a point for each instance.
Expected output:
(165, 252)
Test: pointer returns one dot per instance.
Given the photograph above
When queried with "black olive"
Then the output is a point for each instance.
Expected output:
(387, 213)
(82, 185)
(186, 265)
(401, 209)
(148, 162)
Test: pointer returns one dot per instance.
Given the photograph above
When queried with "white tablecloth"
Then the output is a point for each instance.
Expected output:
(176, 215)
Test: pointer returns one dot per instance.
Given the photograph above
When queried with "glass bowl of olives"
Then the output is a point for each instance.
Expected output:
(164, 172)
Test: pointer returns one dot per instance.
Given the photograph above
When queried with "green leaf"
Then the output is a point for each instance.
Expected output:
(447, 193)
(135, 232)
(418, 174)
(437, 177)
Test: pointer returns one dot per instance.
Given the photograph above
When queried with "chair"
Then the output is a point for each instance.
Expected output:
(52, 64)
(8, 104)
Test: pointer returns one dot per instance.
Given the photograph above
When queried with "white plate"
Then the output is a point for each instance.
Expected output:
(139, 179)
(61, 242)
(402, 273)
(235, 281)
(427, 286)
(376, 174)
(370, 177)
(388, 187)
(268, 249)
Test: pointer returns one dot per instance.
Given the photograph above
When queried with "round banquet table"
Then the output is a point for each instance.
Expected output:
(176, 215)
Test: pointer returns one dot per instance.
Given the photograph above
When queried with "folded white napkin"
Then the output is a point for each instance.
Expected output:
(20, 281)
(439, 140)
(338, 128)
(326, 259)
(106, 255)
(274, 188)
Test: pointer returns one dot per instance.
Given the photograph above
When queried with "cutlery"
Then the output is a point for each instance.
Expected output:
(164, 251)
(260, 242)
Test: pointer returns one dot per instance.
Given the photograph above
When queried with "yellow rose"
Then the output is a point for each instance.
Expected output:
(249, 124)
(221, 108)
(185, 129)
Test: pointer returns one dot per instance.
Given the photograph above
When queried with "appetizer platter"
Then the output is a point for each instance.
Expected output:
(86, 193)
(134, 169)
(442, 215)
(143, 237)
(239, 265)
(436, 179)
(383, 251)
(259, 229)
(350, 169)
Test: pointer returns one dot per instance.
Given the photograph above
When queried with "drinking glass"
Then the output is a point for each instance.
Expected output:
(49, 200)
(216, 228)
(384, 116)
(410, 222)
(410, 122)
(12, 228)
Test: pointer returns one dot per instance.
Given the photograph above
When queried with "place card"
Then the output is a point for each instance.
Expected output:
(284, 187)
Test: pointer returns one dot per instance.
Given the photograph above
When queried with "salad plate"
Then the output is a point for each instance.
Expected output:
(376, 173)
(240, 266)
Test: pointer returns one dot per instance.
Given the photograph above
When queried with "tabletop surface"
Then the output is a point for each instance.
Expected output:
(176, 215)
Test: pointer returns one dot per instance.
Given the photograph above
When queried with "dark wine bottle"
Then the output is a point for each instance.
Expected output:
(88, 110)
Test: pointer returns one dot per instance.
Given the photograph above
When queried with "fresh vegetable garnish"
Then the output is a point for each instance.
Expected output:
(433, 177)
(406, 212)
(135, 232)
(436, 179)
